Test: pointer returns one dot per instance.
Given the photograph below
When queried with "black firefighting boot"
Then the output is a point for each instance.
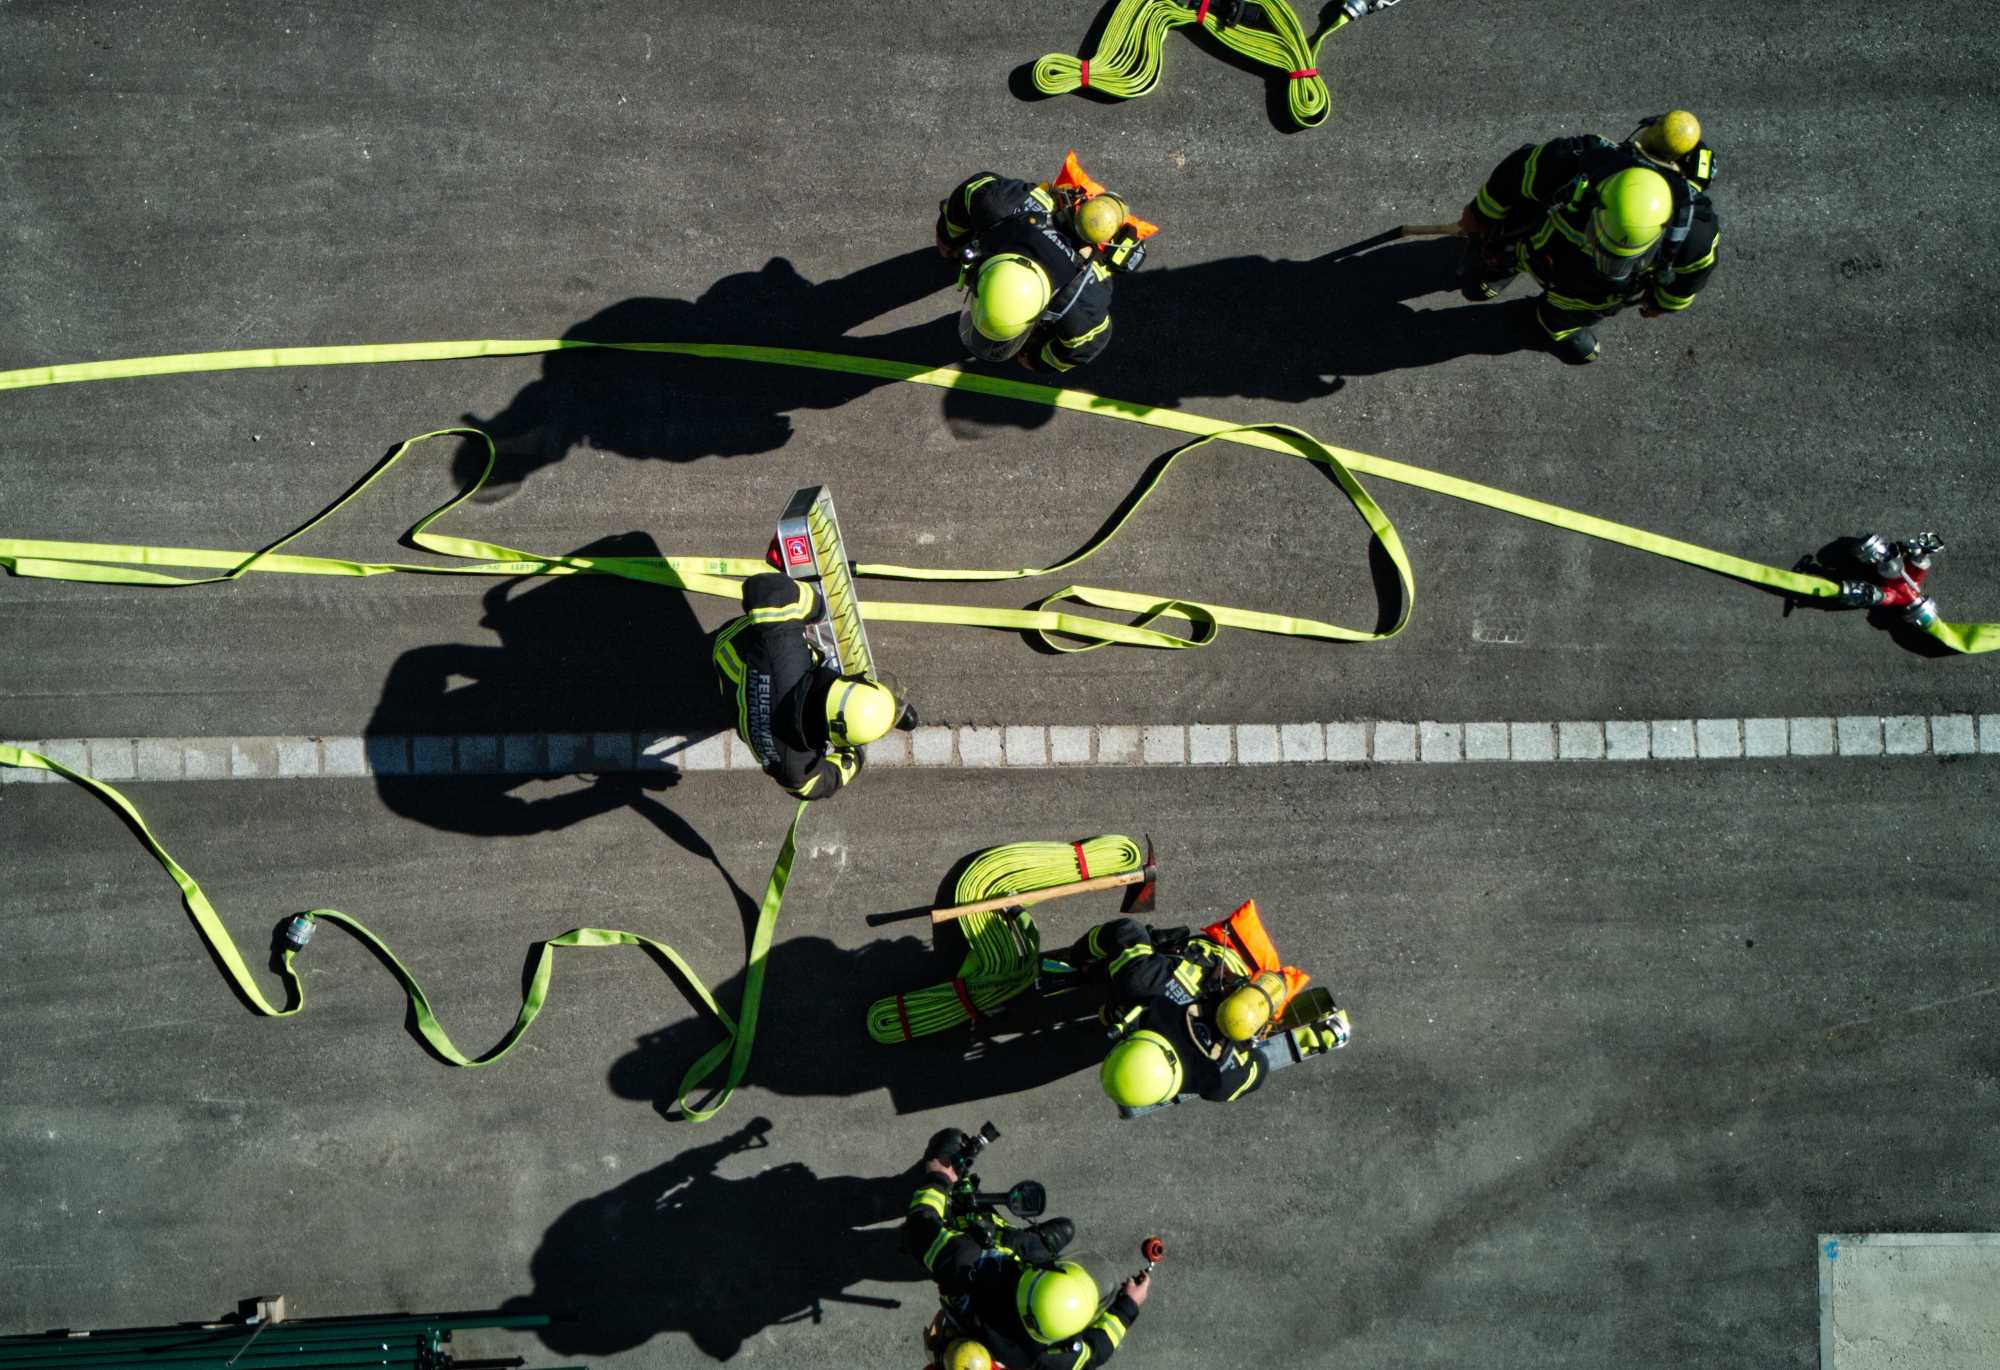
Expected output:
(1483, 273)
(1042, 1242)
(1578, 348)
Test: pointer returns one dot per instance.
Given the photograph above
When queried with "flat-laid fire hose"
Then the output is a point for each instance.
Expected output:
(124, 564)
(738, 1033)
(115, 564)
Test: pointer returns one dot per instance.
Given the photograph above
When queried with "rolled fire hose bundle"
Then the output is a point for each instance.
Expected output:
(1003, 951)
(1130, 58)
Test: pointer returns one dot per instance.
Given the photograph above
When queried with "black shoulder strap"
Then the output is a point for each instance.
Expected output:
(1065, 299)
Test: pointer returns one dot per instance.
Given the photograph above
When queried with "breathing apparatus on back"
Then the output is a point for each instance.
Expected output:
(1099, 220)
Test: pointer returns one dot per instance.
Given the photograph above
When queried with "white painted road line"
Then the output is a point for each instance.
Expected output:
(1029, 747)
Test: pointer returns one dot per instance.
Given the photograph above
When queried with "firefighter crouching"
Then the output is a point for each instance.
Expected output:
(1208, 1015)
(806, 722)
(1037, 263)
(1009, 1300)
(1600, 226)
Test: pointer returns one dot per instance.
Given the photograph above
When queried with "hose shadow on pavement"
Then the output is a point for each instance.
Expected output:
(683, 1248)
(590, 658)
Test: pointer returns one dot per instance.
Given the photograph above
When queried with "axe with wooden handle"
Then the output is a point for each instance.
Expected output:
(1142, 886)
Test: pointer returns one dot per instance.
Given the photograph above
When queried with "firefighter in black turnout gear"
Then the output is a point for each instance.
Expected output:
(1037, 263)
(806, 722)
(1009, 1299)
(1202, 1015)
(1600, 225)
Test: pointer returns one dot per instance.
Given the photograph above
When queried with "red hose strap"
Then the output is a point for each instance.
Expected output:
(1201, 13)
(1084, 75)
(958, 988)
(1082, 866)
(1301, 74)
(903, 1017)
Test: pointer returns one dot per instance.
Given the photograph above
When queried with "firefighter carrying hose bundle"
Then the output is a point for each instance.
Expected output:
(1600, 225)
(1037, 263)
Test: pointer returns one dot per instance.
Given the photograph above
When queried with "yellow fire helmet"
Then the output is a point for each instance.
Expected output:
(1055, 1302)
(1007, 296)
(1633, 207)
(966, 1354)
(1246, 1012)
(1011, 294)
(858, 711)
(1141, 1071)
(1099, 217)
(1671, 136)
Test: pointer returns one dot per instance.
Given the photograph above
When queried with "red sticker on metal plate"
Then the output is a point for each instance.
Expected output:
(798, 551)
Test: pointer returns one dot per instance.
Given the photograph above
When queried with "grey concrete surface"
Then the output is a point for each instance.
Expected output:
(1629, 1036)
(1626, 1041)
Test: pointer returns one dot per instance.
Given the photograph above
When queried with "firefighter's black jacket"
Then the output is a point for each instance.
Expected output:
(997, 214)
(1172, 986)
(1541, 197)
(777, 687)
(978, 1284)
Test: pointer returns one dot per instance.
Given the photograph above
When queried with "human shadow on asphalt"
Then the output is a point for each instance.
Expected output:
(683, 1249)
(812, 1037)
(1290, 331)
(1253, 327)
(589, 658)
(663, 407)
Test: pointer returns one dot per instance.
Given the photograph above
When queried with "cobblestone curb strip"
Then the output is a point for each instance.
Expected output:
(1028, 747)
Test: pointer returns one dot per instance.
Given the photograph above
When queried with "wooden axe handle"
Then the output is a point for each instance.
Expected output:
(1430, 231)
(1016, 901)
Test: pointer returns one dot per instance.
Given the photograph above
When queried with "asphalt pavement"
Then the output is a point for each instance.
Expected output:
(1628, 1036)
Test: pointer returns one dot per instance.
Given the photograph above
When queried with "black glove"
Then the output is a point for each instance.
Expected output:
(1228, 13)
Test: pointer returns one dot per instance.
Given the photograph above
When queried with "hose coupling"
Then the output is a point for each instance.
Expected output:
(297, 932)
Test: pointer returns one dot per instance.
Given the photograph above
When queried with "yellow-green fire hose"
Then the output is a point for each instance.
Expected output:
(1132, 53)
(124, 564)
(1002, 953)
(738, 1033)
(116, 564)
